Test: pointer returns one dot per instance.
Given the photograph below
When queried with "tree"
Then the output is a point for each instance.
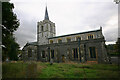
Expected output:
(11, 23)
(118, 46)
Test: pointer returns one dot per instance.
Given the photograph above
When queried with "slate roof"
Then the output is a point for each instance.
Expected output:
(75, 34)
(32, 43)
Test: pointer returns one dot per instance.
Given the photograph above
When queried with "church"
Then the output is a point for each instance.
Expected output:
(82, 47)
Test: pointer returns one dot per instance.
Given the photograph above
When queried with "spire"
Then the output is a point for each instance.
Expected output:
(46, 14)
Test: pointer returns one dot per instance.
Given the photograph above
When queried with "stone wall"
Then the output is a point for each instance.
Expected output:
(32, 53)
(65, 49)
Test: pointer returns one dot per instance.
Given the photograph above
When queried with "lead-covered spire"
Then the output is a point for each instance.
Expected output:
(46, 14)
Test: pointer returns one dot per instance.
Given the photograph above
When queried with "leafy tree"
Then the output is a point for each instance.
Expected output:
(118, 46)
(11, 23)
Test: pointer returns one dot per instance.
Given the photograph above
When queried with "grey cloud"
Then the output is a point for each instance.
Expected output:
(26, 32)
(69, 17)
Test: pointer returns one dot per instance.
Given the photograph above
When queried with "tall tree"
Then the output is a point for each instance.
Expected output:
(118, 46)
(11, 23)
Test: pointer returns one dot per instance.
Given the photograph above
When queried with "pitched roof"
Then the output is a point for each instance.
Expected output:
(32, 43)
(75, 34)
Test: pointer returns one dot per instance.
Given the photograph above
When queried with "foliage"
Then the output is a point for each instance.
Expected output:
(10, 22)
(118, 46)
(60, 70)
(112, 49)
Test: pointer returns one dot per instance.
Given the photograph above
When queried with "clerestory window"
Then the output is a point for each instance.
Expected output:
(68, 39)
(78, 38)
(51, 41)
(59, 41)
(90, 36)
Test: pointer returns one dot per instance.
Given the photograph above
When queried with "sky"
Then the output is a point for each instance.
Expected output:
(69, 16)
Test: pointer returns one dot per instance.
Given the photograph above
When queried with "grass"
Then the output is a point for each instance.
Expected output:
(59, 70)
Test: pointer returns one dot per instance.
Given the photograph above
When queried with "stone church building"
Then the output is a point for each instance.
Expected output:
(80, 47)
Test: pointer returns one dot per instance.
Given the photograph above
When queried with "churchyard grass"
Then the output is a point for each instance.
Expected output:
(59, 70)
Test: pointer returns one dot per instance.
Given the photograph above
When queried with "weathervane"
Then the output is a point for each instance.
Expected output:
(117, 1)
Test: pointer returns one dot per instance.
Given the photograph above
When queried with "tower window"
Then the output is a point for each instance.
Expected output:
(51, 28)
(42, 34)
(47, 27)
(42, 28)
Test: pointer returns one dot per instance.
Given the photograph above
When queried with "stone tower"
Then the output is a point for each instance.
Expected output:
(45, 30)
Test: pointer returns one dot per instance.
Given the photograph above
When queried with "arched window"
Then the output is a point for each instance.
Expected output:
(29, 52)
(92, 52)
(43, 54)
(51, 28)
(52, 54)
(75, 51)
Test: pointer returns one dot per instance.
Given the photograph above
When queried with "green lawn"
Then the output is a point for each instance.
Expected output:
(59, 70)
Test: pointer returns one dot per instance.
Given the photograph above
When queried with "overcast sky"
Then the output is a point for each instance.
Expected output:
(69, 16)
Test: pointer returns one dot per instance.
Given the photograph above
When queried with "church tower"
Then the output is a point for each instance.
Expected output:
(45, 30)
